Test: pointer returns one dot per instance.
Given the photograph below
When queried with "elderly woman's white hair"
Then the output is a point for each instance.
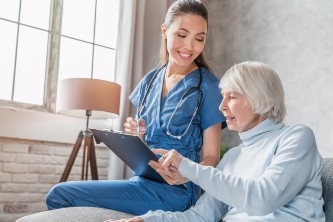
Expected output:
(260, 84)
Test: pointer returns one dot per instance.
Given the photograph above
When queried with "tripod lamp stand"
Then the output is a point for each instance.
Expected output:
(87, 98)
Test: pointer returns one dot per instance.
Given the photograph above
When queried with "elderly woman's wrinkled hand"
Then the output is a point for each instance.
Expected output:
(167, 166)
(133, 219)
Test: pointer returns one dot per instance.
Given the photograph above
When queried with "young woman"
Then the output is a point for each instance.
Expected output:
(177, 108)
(274, 175)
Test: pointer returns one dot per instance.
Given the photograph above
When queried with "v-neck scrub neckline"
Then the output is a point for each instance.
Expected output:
(157, 112)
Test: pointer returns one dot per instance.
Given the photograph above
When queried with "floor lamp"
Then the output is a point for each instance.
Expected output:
(87, 98)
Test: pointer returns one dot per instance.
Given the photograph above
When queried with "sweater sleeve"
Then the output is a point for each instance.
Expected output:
(206, 209)
(290, 169)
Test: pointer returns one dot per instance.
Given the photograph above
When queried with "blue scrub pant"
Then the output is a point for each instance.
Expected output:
(135, 196)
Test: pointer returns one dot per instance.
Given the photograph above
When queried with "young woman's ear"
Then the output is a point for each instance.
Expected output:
(164, 31)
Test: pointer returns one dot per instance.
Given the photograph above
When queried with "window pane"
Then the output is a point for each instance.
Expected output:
(7, 57)
(104, 63)
(31, 66)
(9, 9)
(78, 19)
(75, 59)
(107, 22)
(36, 13)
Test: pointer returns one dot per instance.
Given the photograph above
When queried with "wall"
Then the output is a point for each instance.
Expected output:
(28, 169)
(296, 39)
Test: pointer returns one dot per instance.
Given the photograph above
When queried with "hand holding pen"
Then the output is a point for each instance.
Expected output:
(137, 127)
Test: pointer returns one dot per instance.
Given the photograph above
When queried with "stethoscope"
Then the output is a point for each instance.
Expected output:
(194, 88)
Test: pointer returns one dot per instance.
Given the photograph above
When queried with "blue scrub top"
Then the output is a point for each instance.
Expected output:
(158, 110)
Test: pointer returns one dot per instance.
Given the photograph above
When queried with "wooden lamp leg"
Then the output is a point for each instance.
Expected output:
(94, 173)
(89, 157)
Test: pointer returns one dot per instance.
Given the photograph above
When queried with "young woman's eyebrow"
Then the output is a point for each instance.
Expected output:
(185, 30)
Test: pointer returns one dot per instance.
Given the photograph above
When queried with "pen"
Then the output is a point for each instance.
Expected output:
(137, 123)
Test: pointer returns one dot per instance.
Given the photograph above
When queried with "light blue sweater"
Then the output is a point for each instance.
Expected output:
(273, 175)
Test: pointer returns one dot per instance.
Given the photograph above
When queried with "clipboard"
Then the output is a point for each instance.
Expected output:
(131, 150)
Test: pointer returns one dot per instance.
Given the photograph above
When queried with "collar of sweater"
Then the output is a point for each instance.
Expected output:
(251, 136)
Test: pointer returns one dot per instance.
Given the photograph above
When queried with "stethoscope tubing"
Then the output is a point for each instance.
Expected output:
(141, 107)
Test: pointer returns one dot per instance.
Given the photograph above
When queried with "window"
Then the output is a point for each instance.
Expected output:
(25, 32)
(45, 41)
(88, 39)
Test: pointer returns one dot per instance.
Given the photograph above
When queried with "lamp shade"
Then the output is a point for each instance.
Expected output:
(77, 95)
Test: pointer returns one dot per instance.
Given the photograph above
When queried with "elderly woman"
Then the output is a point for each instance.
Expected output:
(273, 175)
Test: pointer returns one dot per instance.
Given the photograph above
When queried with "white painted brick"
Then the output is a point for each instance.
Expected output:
(24, 193)
(66, 151)
(39, 159)
(29, 158)
(37, 207)
(54, 160)
(40, 188)
(102, 153)
(74, 178)
(25, 178)
(63, 151)
(41, 149)
(7, 218)
(14, 168)
(15, 148)
(49, 178)
(7, 157)
(14, 188)
(102, 162)
(42, 169)
(103, 177)
(21, 197)
(15, 208)
(5, 177)
(102, 171)
(59, 169)
(76, 170)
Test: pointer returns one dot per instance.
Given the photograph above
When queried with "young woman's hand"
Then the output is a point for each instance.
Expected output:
(167, 166)
(137, 127)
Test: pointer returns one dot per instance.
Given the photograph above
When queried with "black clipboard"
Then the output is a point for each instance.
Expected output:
(131, 150)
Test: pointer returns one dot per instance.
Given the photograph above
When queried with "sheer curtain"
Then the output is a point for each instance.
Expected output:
(137, 52)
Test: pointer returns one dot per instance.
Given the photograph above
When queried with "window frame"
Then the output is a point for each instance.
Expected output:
(41, 122)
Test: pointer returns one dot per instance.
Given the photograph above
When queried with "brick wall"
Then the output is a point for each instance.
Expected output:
(28, 169)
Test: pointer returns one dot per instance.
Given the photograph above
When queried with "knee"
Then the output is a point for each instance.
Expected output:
(54, 198)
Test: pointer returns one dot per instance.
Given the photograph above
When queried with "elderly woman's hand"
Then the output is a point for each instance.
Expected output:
(133, 219)
(167, 166)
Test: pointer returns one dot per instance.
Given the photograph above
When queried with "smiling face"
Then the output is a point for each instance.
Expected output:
(238, 112)
(185, 38)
